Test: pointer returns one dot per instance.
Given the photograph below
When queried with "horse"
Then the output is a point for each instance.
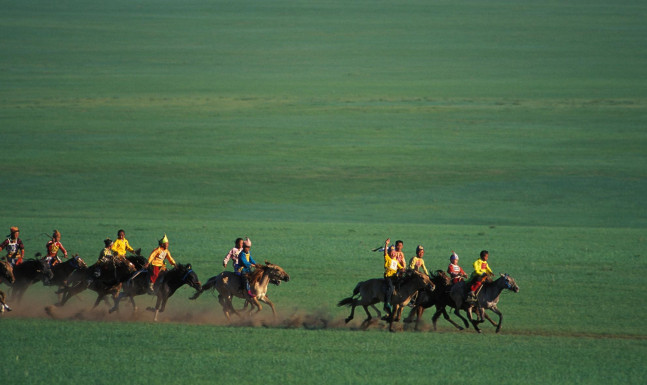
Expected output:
(439, 298)
(372, 291)
(229, 284)
(61, 271)
(487, 299)
(6, 272)
(107, 283)
(167, 283)
(27, 273)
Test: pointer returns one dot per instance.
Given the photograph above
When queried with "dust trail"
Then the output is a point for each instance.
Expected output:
(319, 319)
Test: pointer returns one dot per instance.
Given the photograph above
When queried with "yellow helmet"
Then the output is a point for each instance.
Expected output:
(164, 240)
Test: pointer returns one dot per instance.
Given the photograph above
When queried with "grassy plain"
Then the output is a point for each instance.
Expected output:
(319, 130)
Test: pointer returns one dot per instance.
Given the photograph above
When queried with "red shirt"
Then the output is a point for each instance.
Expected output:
(455, 272)
(52, 248)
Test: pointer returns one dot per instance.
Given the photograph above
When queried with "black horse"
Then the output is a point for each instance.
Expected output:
(27, 273)
(167, 283)
(103, 278)
(439, 298)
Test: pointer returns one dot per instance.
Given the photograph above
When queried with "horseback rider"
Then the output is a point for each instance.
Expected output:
(391, 267)
(244, 266)
(456, 272)
(481, 272)
(51, 259)
(157, 258)
(233, 253)
(53, 246)
(121, 245)
(105, 257)
(417, 262)
(14, 246)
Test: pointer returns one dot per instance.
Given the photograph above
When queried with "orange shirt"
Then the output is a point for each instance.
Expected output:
(158, 256)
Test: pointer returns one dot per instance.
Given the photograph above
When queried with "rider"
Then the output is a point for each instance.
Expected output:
(53, 246)
(14, 246)
(417, 262)
(105, 257)
(391, 267)
(398, 254)
(456, 272)
(121, 245)
(245, 264)
(156, 259)
(233, 253)
(481, 272)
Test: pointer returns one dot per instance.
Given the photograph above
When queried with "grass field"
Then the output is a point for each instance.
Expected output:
(319, 130)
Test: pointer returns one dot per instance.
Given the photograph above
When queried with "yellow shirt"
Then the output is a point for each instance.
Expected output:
(120, 246)
(417, 263)
(158, 256)
(481, 267)
(391, 266)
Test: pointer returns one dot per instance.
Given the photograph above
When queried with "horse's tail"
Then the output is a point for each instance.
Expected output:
(346, 301)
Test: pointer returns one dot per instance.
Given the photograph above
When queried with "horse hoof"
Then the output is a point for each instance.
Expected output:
(347, 320)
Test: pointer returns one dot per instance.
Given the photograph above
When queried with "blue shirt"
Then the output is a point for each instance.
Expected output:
(245, 262)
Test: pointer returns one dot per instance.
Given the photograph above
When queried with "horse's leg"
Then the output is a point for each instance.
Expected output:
(399, 313)
(474, 323)
(266, 299)
(99, 298)
(225, 306)
(442, 310)
(497, 312)
(391, 318)
(352, 311)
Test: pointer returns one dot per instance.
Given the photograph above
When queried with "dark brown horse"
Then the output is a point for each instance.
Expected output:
(27, 273)
(368, 293)
(439, 298)
(6, 272)
(230, 285)
(488, 298)
(34, 270)
(167, 283)
(103, 278)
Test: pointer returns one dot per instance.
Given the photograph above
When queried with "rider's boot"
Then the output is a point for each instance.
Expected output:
(151, 289)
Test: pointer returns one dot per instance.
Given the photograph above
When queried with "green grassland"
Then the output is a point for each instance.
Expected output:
(319, 130)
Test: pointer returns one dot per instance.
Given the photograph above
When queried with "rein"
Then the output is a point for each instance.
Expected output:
(187, 274)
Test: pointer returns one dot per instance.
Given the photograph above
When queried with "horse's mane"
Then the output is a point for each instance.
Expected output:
(257, 274)
(440, 278)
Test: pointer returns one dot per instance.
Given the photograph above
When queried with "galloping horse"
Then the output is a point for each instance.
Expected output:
(372, 291)
(167, 283)
(6, 272)
(229, 285)
(488, 298)
(26, 274)
(61, 271)
(108, 283)
(439, 298)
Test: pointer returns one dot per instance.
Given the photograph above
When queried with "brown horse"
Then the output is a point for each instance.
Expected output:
(230, 285)
(167, 283)
(488, 298)
(6, 272)
(439, 298)
(372, 291)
